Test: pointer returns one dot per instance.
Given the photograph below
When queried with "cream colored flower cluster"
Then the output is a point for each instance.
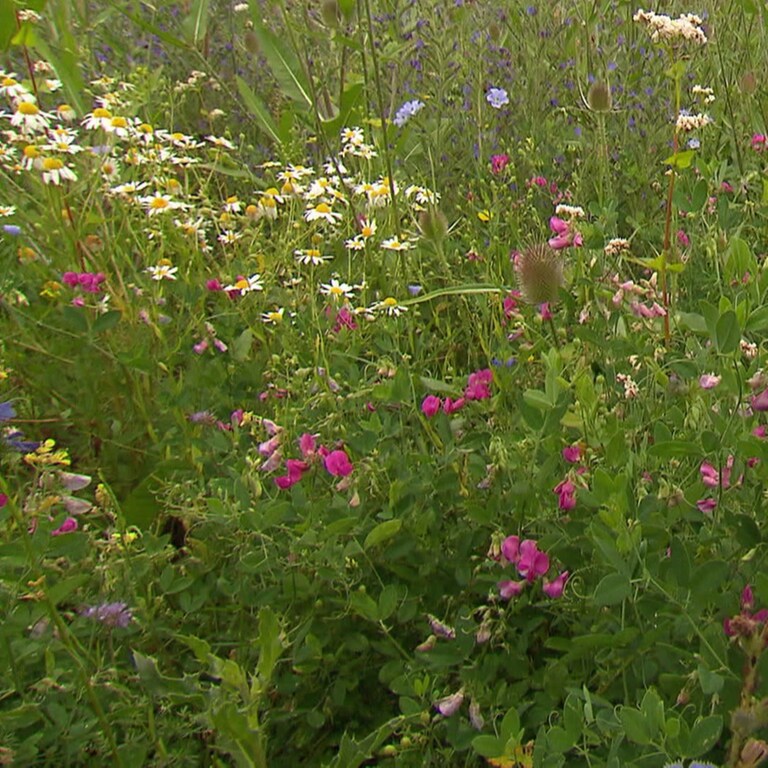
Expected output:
(666, 29)
(686, 122)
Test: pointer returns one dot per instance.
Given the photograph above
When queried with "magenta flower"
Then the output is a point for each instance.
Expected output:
(709, 381)
(68, 526)
(759, 142)
(683, 240)
(565, 234)
(268, 447)
(760, 402)
(478, 385)
(499, 163)
(746, 623)
(3, 499)
(509, 589)
(510, 548)
(566, 494)
(344, 319)
(295, 469)
(451, 406)
(712, 478)
(556, 587)
(572, 453)
(532, 561)
(706, 506)
(545, 311)
(430, 405)
(308, 445)
(337, 463)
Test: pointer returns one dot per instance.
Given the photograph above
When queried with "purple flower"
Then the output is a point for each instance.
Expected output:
(497, 97)
(430, 405)
(407, 111)
(7, 411)
(109, 614)
(709, 381)
(572, 453)
(532, 562)
(12, 229)
(509, 589)
(441, 629)
(337, 463)
(760, 402)
(68, 526)
(449, 705)
(510, 548)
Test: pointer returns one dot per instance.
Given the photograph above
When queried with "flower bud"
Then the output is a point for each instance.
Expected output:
(599, 97)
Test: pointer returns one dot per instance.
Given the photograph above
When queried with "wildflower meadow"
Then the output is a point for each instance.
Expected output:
(384, 382)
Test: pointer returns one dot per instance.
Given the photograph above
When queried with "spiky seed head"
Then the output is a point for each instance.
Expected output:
(433, 225)
(599, 97)
(539, 271)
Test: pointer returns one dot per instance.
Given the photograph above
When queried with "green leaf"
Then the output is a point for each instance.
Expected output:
(195, 25)
(727, 332)
(107, 321)
(382, 532)
(757, 320)
(256, 107)
(674, 449)
(388, 601)
(691, 321)
(635, 725)
(488, 746)
(364, 605)
(241, 346)
(510, 725)
(7, 23)
(711, 683)
(281, 60)
(703, 736)
(612, 589)
(270, 644)
(537, 399)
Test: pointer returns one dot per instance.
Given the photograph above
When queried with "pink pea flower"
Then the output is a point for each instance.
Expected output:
(545, 311)
(344, 319)
(478, 386)
(510, 548)
(706, 506)
(683, 240)
(509, 589)
(556, 587)
(451, 406)
(712, 478)
(430, 405)
(214, 285)
(532, 562)
(760, 431)
(200, 347)
(565, 234)
(746, 623)
(566, 494)
(3, 499)
(537, 181)
(760, 402)
(68, 526)
(450, 705)
(759, 142)
(709, 381)
(510, 303)
(273, 462)
(268, 447)
(308, 445)
(572, 453)
(337, 463)
(499, 163)
(295, 469)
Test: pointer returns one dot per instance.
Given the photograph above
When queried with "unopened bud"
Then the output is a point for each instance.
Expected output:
(433, 225)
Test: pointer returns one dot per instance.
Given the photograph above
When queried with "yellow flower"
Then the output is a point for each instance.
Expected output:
(484, 215)
(45, 456)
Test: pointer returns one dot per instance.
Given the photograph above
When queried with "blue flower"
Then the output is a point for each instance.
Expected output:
(12, 229)
(497, 97)
(7, 411)
(407, 111)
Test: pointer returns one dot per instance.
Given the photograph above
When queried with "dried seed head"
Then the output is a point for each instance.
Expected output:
(539, 271)
(599, 97)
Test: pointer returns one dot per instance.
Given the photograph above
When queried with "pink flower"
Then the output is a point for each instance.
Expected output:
(759, 142)
(344, 319)
(760, 402)
(449, 705)
(430, 405)
(532, 562)
(451, 406)
(537, 181)
(566, 494)
(565, 234)
(509, 589)
(683, 240)
(545, 311)
(307, 445)
(295, 469)
(200, 347)
(3, 499)
(214, 285)
(68, 526)
(268, 447)
(499, 163)
(337, 463)
(478, 385)
(510, 303)
(760, 431)
(706, 506)
(712, 478)
(555, 588)
(510, 548)
(709, 381)
(572, 453)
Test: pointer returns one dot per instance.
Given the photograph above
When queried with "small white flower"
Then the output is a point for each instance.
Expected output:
(394, 244)
(162, 271)
(310, 256)
(322, 212)
(245, 285)
(158, 203)
(275, 317)
(337, 290)
(54, 171)
(390, 307)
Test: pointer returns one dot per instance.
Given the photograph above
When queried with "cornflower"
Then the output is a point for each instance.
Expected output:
(407, 111)
(497, 97)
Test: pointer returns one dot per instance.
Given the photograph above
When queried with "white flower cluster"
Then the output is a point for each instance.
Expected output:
(666, 29)
(571, 211)
(616, 246)
(707, 94)
(687, 122)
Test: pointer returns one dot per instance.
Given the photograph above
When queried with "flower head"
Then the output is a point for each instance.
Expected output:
(497, 97)
(539, 271)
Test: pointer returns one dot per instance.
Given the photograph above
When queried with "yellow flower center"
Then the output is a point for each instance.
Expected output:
(367, 230)
(232, 199)
(100, 112)
(31, 152)
(389, 302)
(119, 122)
(28, 108)
(323, 208)
(158, 203)
(9, 82)
(146, 128)
(52, 164)
(336, 290)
